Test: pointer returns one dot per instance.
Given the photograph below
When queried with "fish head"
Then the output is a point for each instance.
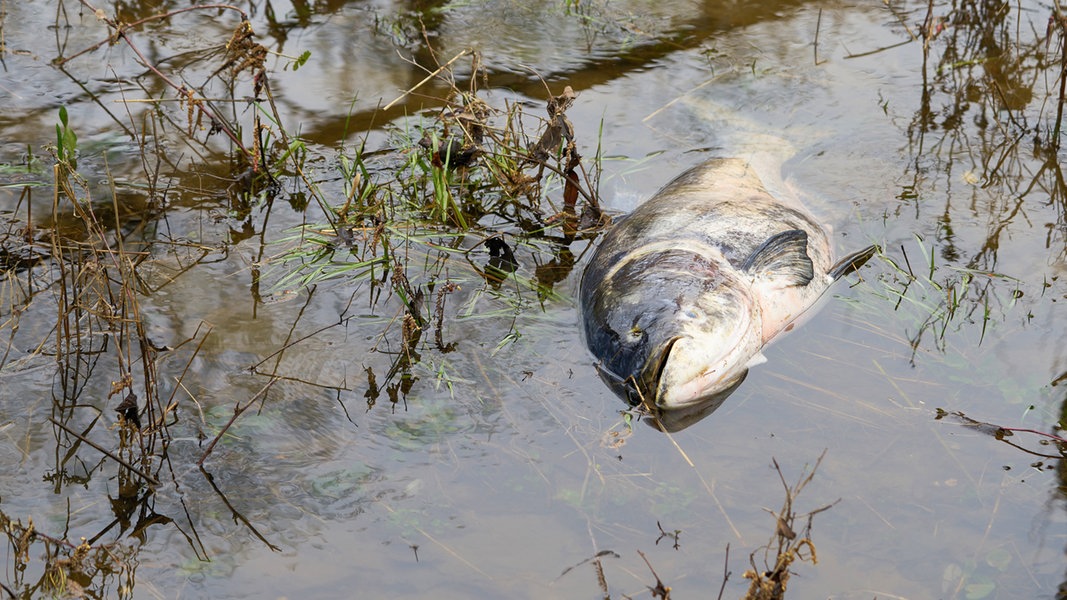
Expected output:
(673, 327)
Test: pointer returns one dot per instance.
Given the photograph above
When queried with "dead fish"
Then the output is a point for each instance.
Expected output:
(682, 295)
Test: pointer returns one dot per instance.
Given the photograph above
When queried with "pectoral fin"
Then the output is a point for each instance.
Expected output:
(852, 262)
(783, 256)
(756, 360)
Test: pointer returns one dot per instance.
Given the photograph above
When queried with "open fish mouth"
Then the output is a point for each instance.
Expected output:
(654, 373)
(684, 374)
(659, 395)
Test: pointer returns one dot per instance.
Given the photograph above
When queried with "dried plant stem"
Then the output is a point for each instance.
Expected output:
(120, 30)
(108, 453)
(237, 514)
(161, 16)
(427, 79)
(238, 410)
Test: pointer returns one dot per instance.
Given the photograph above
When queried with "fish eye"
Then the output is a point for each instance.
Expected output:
(635, 333)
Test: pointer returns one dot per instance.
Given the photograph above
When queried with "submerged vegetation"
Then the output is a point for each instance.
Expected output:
(461, 205)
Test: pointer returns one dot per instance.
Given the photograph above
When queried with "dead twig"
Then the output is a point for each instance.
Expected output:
(1000, 432)
(663, 592)
(427, 79)
(150, 479)
(236, 514)
(770, 583)
(120, 32)
(726, 572)
(238, 410)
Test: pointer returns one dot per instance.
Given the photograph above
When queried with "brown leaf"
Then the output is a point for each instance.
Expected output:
(559, 126)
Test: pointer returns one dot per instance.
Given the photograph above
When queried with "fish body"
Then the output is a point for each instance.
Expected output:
(682, 295)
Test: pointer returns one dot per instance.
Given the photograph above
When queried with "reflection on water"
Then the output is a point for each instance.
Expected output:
(471, 454)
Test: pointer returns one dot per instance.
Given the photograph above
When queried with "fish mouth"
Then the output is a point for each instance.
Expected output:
(677, 418)
(649, 388)
(675, 382)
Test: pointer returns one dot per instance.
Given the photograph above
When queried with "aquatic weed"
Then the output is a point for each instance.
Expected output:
(941, 299)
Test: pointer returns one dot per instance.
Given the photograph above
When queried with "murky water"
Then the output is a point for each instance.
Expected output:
(490, 469)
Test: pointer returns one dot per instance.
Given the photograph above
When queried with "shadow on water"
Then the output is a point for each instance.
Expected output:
(202, 301)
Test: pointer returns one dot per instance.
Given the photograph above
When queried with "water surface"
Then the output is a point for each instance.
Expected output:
(490, 469)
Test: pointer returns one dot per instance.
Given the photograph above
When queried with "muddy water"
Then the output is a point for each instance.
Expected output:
(504, 462)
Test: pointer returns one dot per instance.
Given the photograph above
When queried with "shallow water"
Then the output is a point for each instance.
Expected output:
(500, 464)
